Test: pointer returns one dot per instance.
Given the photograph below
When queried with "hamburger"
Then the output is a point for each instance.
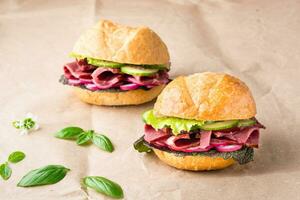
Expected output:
(117, 65)
(205, 121)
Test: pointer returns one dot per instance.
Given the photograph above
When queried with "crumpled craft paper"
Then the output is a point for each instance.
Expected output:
(257, 41)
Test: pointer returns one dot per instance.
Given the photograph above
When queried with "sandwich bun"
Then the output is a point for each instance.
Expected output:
(123, 44)
(107, 98)
(206, 96)
(193, 163)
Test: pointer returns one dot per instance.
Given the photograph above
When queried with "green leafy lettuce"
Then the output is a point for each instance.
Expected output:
(176, 124)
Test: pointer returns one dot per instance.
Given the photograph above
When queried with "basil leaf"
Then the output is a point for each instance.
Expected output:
(69, 133)
(84, 137)
(47, 175)
(104, 186)
(103, 142)
(16, 156)
(5, 171)
(140, 146)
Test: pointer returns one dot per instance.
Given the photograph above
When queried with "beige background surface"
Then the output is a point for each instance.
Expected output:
(255, 40)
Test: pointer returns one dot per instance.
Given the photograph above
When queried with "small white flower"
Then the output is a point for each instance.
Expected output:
(26, 125)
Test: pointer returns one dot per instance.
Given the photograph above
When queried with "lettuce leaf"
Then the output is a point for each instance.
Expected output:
(176, 124)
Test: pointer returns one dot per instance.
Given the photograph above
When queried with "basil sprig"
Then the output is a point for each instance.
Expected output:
(84, 137)
(140, 146)
(5, 171)
(103, 142)
(104, 186)
(69, 133)
(14, 157)
(47, 175)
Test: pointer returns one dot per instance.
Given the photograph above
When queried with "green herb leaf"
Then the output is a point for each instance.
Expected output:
(5, 171)
(103, 142)
(47, 175)
(16, 156)
(140, 146)
(69, 133)
(104, 186)
(84, 137)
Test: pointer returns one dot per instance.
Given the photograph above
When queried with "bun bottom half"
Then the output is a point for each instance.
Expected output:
(107, 98)
(193, 163)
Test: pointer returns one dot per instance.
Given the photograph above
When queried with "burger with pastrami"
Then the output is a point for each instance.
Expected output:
(117, 65)
(204, 121)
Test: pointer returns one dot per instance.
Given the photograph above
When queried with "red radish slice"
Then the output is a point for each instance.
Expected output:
(84, 81)
(229, 148)
(197, 149)
(130, 86)
(91, 86)
(74, 81)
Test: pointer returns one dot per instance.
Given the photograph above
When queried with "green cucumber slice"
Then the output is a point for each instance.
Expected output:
(102, 63)
(138, 71)
(220, 125)
(246, 122)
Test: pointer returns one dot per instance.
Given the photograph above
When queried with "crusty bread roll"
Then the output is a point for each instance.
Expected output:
(193, 163)
(123, 44)
(132, 97)
(206, 96)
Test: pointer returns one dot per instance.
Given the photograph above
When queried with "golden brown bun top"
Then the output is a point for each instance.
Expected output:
(123, 44)
(206, 96)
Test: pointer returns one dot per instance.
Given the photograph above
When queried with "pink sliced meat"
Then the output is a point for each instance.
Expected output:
(181, 142)
(219, 142)
(151, 81)
(253, 139)
(105, 78)
(223, 141)
(205, 137)
(73, 70)
(151, 135)
(243, 135)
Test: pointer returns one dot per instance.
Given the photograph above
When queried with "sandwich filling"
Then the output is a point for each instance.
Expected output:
(94, 74)
(186, 136)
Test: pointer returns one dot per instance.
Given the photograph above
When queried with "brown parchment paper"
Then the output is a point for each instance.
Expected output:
(256, 40)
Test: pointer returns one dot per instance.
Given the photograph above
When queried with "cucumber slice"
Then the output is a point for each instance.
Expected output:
(246, 122)
(220, 125)
(102, 63)
(138, 71)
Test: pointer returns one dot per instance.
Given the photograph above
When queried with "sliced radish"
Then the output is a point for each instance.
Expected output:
(91, 86)
(229, 148)
(84, 81)
(198, 149)
(74, 81)
(130, 86)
